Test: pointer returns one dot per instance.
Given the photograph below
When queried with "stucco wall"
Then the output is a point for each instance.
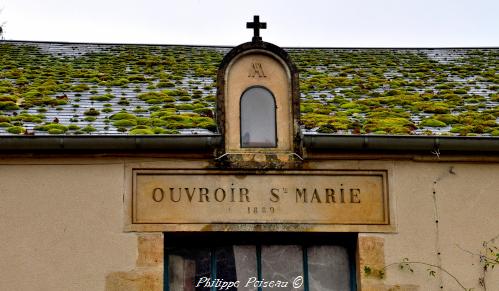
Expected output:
(466, 205)
(61, 221)
(61, 226)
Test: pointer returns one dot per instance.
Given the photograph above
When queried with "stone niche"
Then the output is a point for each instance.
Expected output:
(258, 104)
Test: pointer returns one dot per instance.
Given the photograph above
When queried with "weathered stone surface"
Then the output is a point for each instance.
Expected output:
(150, 250)
(371, 254)
(277, 73)
(333, 197)
(274, 77)
(383, 287)
(404, 288)
(374, 287)
(148, 276)
(137, 280)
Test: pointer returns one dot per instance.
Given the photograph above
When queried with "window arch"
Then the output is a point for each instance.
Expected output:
(258, 118)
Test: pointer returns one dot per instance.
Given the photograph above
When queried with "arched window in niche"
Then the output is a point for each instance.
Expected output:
(258, 119)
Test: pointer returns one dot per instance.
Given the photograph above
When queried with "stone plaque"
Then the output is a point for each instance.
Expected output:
(273, 197)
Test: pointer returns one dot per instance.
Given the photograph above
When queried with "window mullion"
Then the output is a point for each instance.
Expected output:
(305, 268)
(166, 271)
(259, 264)
(213, 268)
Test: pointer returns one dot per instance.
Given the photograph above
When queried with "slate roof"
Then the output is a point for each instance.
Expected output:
(108, 89)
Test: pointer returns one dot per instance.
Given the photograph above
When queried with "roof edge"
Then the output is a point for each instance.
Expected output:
(206, 143)
(112, 43)
(233, 46)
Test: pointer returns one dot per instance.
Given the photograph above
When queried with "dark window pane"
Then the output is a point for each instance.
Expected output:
(187, 267)
(283, 263)
(258, 124)
(328, 268)
(226, 265)
(237, 263)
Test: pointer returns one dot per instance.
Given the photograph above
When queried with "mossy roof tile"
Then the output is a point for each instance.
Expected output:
(103, 89)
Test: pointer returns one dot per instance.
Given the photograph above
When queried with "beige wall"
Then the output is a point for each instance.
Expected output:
(61, 221)
(467, 207)
(61, 226)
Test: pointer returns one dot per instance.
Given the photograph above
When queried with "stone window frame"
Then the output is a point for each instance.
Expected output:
(149, 271)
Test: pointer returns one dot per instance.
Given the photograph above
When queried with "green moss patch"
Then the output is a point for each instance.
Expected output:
(125, 123)
(123, 115)
(11, 98)
(170, 120)
(8, 105)
(16, 129)
(105, 97)
(52, 128)
(91, 112)
(73, 127)
(432, 107)
(165, 84)
(390, 125)
(155, 97)
(430, 122)
(80, 88)
(88, 129)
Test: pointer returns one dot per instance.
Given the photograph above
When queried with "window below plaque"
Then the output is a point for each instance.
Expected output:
(313, 263)
(258, 118)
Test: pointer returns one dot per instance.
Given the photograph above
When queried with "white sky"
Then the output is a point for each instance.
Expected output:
(333, 23)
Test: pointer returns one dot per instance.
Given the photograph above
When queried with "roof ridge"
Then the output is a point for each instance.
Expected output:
(226, 46)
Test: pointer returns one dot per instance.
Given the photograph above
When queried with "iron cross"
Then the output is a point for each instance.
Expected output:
(256, 25)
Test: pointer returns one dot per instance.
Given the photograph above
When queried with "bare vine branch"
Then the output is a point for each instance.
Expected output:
(428, 265)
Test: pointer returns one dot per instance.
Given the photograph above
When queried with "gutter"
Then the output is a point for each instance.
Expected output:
(170, 143)
(407, 143)
(206, 143)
